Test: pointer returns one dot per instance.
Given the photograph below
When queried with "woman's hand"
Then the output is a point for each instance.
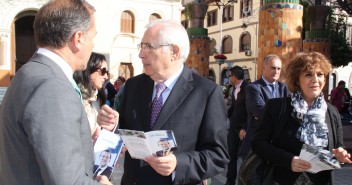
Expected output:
(299, 165)
(342, 155)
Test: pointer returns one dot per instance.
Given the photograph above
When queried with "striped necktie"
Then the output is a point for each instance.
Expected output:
(273, 90)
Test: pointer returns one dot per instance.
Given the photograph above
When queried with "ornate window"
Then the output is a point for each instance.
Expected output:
(212, 18)
(127, 22)
(227, 44)
(245, 42)
(246, 8)
(154, 16)
(227, 14)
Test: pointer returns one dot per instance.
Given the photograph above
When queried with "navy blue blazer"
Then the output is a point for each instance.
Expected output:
(257, 94)
(286, 146)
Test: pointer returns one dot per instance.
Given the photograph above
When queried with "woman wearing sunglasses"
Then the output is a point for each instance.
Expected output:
(90, 82)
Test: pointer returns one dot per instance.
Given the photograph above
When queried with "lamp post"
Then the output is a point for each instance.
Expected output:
(221, 5)
(220, 59)
(245, 24)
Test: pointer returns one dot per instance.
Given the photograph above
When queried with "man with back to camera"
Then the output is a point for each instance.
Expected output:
(258, 92)
(44, 131)
(237, 114)
(169, 96)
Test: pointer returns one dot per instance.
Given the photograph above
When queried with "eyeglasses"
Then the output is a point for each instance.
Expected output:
(103, 71)
(148, 46)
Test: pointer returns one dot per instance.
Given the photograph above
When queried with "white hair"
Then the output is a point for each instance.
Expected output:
(172, 32)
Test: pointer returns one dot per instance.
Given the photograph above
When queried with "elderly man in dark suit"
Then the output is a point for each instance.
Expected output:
(237, 114)
(258, 92)
(44, 131)
(169, 96)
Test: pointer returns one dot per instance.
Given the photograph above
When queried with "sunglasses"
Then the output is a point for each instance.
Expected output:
(103, 71)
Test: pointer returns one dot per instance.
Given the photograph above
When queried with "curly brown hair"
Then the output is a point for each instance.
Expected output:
(302, 62)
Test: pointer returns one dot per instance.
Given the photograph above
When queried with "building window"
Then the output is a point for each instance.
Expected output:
(227, 44)
(154, 17)
(246, 8)
(212, 18)
(185, 24)
(227, 14)
(245, 42)
(127, 22)
(212, 75)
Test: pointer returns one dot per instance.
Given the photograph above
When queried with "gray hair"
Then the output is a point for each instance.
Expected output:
(174, 33)
(58, 20)
(269, 58)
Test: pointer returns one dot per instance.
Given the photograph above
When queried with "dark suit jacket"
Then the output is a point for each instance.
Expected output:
(107, 172)
(237, 112)
(195, 111)
(286, 146)
(257, 94)
(44, 131)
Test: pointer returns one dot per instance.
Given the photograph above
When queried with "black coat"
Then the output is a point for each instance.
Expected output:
(286, 146)
(195, 111)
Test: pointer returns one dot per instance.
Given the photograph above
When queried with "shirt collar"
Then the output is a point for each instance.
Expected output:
(66, 68)
(267, 83)
(239, 84)
(170, 83)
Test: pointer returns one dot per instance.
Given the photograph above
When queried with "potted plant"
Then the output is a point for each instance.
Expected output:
(220, 58)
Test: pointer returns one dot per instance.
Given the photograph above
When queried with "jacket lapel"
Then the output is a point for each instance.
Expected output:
(265, 89)
(178, 94)
(146, 101)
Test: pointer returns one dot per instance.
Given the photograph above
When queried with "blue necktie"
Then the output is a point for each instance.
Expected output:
(273, 90)
(74, 84)
(157, 103)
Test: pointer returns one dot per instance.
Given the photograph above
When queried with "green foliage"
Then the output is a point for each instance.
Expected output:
(341, 50)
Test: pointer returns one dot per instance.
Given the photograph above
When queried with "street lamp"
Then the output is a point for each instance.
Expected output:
(221, 5)
(244, 25)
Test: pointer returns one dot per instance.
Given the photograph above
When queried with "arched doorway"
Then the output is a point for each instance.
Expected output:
(24, 41)
(126, 70)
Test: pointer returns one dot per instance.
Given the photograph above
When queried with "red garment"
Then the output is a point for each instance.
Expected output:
(337, 98)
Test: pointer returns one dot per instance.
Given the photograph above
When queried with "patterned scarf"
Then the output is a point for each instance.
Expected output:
(313, 130)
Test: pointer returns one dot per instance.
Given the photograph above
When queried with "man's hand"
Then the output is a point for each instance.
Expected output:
(107, 118)
(103, 180)
(163, 165)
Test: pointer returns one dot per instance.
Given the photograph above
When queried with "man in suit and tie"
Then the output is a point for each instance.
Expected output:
(237, 114)
(258, 92)
(169, 96)
(103, 168)
(44, 131)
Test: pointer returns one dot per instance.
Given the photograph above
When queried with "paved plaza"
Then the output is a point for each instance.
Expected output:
(343, 176)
